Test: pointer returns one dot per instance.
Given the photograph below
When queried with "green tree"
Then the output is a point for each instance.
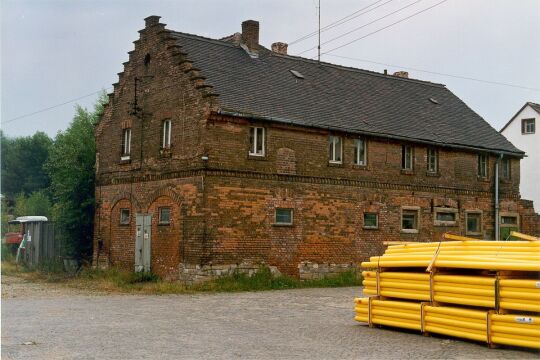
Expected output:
(22, 163)
(71, 169)
(37, 204)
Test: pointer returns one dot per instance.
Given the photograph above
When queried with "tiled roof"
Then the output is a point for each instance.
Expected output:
(535, 106)
(337, 97)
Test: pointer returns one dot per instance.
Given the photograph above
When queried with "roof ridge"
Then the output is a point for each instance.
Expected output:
(367, 72)
(222, 41)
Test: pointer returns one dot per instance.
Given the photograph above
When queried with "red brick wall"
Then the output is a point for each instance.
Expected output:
(223, 208)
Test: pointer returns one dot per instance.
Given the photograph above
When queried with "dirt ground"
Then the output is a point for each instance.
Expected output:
(51, 321)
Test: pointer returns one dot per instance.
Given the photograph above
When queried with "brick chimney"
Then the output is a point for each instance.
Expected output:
(250, 34)
(280, 48)
(152, 20)
(403, 74)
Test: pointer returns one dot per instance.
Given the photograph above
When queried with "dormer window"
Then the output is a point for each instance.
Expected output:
(166, 135)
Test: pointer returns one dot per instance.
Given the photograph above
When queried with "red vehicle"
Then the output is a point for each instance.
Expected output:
(17, 229)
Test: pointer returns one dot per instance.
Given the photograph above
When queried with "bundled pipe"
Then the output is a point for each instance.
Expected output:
(519, 294)
(515, 330)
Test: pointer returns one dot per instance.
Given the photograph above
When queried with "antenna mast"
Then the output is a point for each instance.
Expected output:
(319, 46)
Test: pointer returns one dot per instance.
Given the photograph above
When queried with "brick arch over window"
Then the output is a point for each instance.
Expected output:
(166, 192)
(122, 240)
(166, 237)
(137, 206)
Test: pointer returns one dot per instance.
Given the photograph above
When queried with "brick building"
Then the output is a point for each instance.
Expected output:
(221, 154)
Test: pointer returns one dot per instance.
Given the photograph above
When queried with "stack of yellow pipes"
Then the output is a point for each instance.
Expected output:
(463, 284)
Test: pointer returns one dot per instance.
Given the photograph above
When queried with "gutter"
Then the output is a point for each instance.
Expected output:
(363, 132)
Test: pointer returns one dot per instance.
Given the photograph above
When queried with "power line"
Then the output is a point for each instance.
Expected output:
(54, 106)
(363, 26)
(340, 21)
(438, 73)
(386, 27)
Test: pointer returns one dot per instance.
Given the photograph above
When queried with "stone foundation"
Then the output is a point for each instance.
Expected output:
(308, 270)
(192, 274)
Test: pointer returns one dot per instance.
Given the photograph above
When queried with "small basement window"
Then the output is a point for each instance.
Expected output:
(474, 223)
(284, 216)
(371, 220)
(164, 215)
(445, 216)
(124, 216)
(409, 220)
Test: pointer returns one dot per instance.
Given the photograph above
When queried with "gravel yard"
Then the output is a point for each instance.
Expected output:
(48, 321)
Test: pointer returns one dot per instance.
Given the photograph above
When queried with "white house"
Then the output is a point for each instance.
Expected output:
(522, 131)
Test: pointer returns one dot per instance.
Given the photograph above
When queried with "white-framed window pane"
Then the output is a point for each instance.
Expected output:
(166, 135)
(406, 157)
(360, 151)
(528, 126)
(284, 216)
(256, 141)
(432, 162)
(126, 142)
(335, 150)
(371, 220)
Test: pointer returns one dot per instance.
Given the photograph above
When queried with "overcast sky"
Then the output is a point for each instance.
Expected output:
(57, 51)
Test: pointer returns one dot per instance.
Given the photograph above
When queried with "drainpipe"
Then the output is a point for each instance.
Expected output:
(497, 225)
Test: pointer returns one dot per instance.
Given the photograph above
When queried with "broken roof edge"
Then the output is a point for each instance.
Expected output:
(234, 113)
(307, 60)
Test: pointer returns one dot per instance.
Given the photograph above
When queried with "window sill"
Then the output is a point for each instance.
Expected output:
(445, 223)
(407, 172)
(506, 181)
(125, 160)
(335, 164)
(282, 225)
(482, 179)
(123, 224)
(433, 174)
(527, 133)
(257, 157)
(473, 234)
(409, 231)
(370, 227)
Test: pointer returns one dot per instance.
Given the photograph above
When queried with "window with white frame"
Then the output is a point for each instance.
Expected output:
(256, 141)
(528, 126)
(371, 220)
(284, 216)
(166, 135)
(406, 157)
(360, 151)
(506, 169)
(126, 143)
(335, 149)
(482, 165)
(432, 160)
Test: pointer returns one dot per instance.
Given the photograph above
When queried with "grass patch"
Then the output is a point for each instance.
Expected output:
(119, 281)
